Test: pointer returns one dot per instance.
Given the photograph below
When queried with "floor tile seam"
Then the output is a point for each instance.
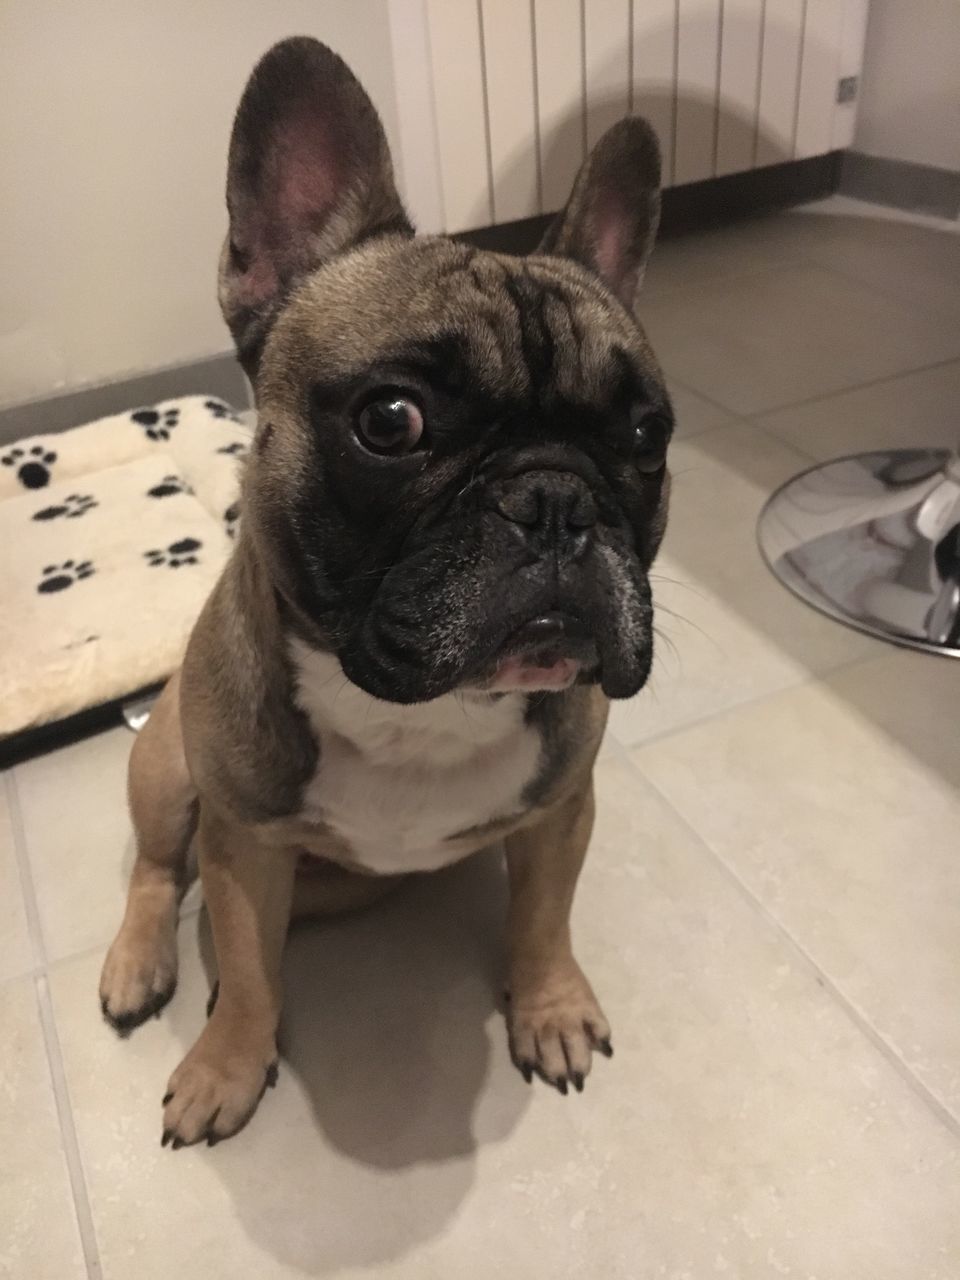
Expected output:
(56, 962)
(890, 295)
(51, 1041)
(69, 1138)
(665, 293)
(781, 407)
(802, 682)
(865, 1027)
(28, 895)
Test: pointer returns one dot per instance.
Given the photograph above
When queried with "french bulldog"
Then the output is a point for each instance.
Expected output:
(455, 493)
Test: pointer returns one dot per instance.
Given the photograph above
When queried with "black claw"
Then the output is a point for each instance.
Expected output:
(124, 1023)
(167, 1135)
(211, 1137)
(562, 1086)
(166, 1098)
(526, 1070)
(212, 1001)
(578, 1081)
(273, 1072)
(606, 1048)
(178, 1143)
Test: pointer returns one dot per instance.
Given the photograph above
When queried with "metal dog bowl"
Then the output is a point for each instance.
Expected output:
(874, 542)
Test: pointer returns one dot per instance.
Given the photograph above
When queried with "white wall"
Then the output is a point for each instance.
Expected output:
(910, 99)
(114, 122)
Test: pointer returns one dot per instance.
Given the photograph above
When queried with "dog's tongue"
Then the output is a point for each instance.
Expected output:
(526, 673)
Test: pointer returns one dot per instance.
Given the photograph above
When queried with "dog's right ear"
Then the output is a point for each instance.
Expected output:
(309, 176)
(610, 222)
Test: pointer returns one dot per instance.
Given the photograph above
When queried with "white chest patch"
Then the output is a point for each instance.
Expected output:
(395, 782)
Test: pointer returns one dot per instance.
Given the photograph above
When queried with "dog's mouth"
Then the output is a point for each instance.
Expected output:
(423, 636)
(548, 653)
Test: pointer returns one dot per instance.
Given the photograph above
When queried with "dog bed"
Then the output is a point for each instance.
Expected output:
(111, 537)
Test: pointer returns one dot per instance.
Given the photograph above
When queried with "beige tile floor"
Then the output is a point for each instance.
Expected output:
(771, 910)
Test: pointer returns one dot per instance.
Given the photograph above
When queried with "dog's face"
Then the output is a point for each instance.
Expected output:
(459, 475)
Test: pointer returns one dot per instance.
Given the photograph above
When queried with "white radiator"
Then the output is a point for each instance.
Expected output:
(499, 99)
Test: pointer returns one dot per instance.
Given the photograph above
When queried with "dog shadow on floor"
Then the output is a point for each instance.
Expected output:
(393, 1043)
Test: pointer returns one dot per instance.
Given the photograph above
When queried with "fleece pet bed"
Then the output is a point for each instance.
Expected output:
(111, 538)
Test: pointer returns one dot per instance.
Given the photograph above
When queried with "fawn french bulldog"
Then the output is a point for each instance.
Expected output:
(457, 487)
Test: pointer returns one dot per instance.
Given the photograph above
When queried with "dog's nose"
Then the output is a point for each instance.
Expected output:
(546, 504)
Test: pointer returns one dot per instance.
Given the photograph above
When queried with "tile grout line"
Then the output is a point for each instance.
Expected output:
(792, 260)
(803, 256)
(802, 456)
(29, 897)
(679, 382)
(68, 1134)
(859, 386)
(911, 303)
(805, 682)
(863, 1024)
(40, 969)
(754, 414)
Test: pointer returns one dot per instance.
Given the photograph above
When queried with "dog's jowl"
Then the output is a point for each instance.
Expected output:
(455, 493)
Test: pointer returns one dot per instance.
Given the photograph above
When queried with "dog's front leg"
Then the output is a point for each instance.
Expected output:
(248, 891)
(554, 1019)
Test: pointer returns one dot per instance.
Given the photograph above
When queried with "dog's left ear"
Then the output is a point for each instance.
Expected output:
(610, 221)
(309, 176)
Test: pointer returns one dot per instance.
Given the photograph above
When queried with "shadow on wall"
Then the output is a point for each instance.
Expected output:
(701, 133)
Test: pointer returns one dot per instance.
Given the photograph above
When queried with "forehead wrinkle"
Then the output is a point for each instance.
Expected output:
(533, 334)
(362, 309)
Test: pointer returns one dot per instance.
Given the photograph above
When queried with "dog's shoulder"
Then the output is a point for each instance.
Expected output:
(248, 744)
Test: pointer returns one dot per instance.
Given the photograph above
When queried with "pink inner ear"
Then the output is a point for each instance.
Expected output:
(610, 250)
(296, 191)
(308, 174)
(613, 257)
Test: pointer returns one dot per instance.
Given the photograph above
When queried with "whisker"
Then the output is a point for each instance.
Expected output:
(678, 617)
(663, 638)
(677, 582)
(471, 720)
(343, 685)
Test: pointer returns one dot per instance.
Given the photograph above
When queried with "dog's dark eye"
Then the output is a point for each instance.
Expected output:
(649, 439)
(392, 424)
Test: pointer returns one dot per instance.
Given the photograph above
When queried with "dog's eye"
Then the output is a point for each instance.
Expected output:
(391, 424)
(650, 435)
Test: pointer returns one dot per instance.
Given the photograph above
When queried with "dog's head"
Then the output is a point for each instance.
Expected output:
(459, 478)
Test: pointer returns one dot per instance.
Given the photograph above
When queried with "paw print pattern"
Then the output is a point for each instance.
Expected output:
(57, 577)
(178, 553)
(169, 485)
(73, 506)
(236, 450)
(220, 410)
(33, 465)
(156, 425)
(231, 518)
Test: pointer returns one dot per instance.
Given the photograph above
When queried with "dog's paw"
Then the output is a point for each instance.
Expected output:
(555, 1024)
(139, 975)
(216, 1089)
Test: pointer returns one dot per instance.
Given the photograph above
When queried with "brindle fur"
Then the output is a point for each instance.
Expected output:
(320, 253)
